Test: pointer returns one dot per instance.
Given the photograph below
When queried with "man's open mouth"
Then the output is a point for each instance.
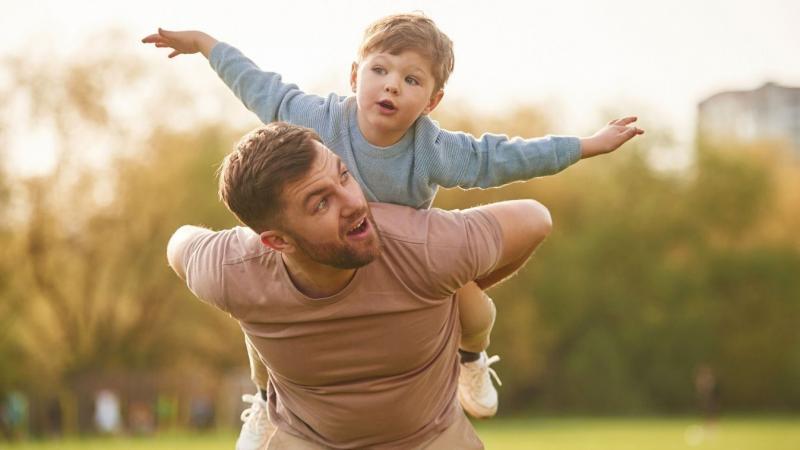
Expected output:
(358, 228)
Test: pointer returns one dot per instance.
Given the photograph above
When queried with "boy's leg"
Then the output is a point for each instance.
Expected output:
(257, 428)
(476, 392)
(476, 312)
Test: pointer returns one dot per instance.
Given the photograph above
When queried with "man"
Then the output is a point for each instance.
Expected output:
(350, 305)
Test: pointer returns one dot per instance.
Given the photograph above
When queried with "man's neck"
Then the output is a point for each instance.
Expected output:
(316, 280)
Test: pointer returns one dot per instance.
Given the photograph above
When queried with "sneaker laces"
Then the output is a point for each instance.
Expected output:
(252, 416)
(489, 362)
(477, 373)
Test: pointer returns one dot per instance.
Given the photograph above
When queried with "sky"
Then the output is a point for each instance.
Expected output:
(582, 59)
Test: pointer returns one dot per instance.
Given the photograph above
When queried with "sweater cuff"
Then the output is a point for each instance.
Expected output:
(216, 53)
(568, 150)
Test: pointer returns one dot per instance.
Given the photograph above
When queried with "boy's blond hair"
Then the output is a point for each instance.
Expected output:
(400, 32)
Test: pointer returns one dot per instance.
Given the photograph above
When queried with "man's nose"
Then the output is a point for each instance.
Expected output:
(352, 201)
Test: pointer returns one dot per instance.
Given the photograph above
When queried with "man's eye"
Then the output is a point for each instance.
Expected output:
(345, 174)
(321, 205)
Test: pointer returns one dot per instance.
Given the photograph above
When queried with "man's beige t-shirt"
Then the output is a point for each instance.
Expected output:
(376, 364)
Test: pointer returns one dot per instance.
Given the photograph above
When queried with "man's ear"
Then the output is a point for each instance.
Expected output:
(353, 76)
(276, 241)
(434, 102)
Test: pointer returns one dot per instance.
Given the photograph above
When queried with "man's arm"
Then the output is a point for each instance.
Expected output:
(196, 255)
(494, 160)
(524, 224)
(263, 93)
(178, 246)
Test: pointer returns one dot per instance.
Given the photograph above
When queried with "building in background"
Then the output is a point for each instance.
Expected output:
(771, 112)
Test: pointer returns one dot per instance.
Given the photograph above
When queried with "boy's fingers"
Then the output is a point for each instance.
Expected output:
(151, 38)
(633, 131)
(174, 54)
(627, 120)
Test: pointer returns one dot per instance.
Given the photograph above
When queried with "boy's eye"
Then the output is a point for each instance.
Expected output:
(379, 70)
(412, 81)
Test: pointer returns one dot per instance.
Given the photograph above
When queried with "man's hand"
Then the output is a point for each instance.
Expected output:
(610, 137)
(182, 42)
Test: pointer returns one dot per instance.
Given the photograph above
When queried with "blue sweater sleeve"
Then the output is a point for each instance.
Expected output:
(264, 93)
(459, 159)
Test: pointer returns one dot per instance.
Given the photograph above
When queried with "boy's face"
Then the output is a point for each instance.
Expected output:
(392, 91)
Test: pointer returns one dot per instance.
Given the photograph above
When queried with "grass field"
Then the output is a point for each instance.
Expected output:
(524, 434)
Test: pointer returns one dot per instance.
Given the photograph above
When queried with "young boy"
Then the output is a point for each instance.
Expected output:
(398, 154)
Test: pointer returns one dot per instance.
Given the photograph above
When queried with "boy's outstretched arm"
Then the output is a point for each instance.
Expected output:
(459, 159)
(610, 137)
(263, 93)
(182, 42)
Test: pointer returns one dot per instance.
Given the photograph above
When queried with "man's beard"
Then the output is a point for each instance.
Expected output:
(341, 255)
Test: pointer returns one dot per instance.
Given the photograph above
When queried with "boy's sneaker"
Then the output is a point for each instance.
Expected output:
(476, 393)
(255, 430)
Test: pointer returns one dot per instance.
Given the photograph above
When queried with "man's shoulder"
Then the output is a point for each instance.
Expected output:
(401, 222)
(245, 245)
(232, 245)
(424, 226)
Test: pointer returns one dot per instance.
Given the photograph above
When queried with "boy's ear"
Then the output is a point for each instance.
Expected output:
(276, 241)
(353, 76)
(434, 102)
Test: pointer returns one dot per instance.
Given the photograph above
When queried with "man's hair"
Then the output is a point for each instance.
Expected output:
(400, 32)
(253, 176)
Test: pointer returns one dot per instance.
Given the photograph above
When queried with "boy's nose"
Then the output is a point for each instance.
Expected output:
(390, 87)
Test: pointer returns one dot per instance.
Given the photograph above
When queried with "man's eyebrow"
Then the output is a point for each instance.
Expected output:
(322, 189)
(313, 193)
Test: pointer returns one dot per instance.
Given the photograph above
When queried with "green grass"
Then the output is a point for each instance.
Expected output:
(637, 434)
(532, 433)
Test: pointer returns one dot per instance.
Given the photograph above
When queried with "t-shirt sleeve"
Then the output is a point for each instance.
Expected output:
(197, 255)
(462, 246)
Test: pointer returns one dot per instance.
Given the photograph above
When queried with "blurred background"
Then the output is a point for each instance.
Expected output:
(663, 312)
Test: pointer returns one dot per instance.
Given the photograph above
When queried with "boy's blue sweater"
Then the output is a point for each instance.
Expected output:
(410, 171)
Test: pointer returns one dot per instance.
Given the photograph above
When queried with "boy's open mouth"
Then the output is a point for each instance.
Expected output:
(387, 105)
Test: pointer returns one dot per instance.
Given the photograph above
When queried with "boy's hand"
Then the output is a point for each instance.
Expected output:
(609, 138)
(182, 42)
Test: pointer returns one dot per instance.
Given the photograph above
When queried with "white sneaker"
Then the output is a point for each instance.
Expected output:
(255, 431)
(476, 393)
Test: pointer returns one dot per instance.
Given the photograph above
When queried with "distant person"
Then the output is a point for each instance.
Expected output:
(106, 412)
(705, 384)
(398, 154)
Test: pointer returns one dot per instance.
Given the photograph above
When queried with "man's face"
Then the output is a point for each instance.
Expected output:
(326, 216)
(392, 91)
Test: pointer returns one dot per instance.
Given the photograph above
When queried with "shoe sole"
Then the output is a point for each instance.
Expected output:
(475, 410)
